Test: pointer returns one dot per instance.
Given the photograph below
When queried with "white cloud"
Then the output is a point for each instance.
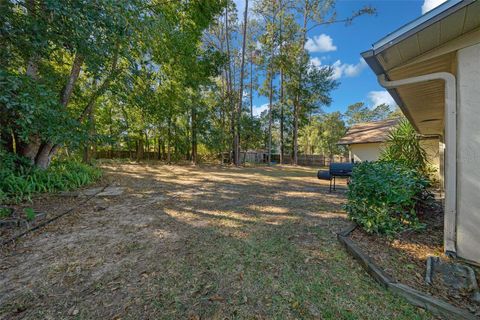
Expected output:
(431, 4)
(257, 111)
(348, 70)
(379, 97)
(321, 43)
(315, 62)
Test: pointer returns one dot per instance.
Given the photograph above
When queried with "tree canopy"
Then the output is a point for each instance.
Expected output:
(174, 78)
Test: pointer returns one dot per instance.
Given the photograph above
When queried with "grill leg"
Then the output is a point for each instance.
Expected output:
(334, 184)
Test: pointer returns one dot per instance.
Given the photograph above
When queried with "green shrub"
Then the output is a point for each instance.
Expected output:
(383, 197)
(20, 181)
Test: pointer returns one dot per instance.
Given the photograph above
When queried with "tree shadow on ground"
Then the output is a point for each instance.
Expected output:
(177, 246)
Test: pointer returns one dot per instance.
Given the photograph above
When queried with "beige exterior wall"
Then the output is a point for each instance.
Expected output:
(371, 152)
(468, 153)
(432, 148)
(366, 151)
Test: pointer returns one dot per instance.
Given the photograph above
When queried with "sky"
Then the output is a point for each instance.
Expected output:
(340, 46)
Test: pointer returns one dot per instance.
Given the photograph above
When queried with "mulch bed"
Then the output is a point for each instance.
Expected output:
(404, 257)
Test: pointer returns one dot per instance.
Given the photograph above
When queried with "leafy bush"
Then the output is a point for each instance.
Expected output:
(383, 197)
(28, 107)
(19, 181)
(403, 146)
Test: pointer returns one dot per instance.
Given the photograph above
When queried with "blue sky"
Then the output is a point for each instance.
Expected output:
(340, 46)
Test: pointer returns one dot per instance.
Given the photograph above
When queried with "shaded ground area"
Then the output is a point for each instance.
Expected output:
(195, 243)
(404, 258)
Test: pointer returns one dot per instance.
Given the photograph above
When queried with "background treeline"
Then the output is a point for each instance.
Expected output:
(175, 77)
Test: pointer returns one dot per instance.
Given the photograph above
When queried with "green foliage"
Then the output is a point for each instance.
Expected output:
(5, 213)
(383, 197)
(359, 112)
(403, 146)
(29, 213)
(321, 135)
(163, 76)
(19, 181)
(29, 108)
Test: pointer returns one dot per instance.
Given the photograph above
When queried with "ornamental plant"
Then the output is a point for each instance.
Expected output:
(403, 146)
(19, 180)
(384, 197)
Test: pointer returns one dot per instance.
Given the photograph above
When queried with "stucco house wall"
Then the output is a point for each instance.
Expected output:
(365, 151)
(432, 148)
(468, 153)
(371, 152)
(422, 81)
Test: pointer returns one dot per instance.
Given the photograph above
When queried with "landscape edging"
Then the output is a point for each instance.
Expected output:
(414, 297)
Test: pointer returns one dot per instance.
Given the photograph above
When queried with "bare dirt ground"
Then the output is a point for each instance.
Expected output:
(194, 243)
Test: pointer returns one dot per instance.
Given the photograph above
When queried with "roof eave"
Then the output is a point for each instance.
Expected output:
(374, 64)
(401, 34)
(361, 142)
(424, 21)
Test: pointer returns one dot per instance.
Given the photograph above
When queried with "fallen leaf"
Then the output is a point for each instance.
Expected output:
(216, 298)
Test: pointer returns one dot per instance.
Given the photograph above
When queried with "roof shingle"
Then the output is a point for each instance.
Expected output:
(369, 132)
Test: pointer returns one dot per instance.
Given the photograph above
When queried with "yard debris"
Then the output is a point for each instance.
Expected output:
(216, 298)
(220, 253)
(413, 258)
(460, 278)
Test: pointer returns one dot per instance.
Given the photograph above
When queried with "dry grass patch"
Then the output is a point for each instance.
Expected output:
(198, 243)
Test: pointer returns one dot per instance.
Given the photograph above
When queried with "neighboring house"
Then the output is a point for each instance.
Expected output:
(366, 141)
(431, 67)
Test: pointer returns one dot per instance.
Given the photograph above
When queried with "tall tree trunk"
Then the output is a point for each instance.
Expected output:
(140, 145)
(251, 87)
(127, 125)
(230, 89)
(297, 103)
(72, 79)
(240, 90)
(295, 131)
(281, 87)
(7, 141)
(270, 116)
(270, 94)
(147, 145)
(45, 154)
(48, 149)
(159, 144)
(224, 93)
(194, 136)
(110, 130)
(169, 139)
(32, 63)
(28, 149)
(90, 146)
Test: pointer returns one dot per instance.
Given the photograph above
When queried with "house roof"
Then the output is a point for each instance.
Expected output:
(423, 46)
(369, 132)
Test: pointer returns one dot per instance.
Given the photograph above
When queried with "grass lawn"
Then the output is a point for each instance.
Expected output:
(195, 243)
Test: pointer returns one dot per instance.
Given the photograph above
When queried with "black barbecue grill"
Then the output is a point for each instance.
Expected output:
(343, 170)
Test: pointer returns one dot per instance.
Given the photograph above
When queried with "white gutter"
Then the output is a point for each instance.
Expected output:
(451, 145)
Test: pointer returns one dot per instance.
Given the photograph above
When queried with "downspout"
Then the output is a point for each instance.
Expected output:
(451, 144)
